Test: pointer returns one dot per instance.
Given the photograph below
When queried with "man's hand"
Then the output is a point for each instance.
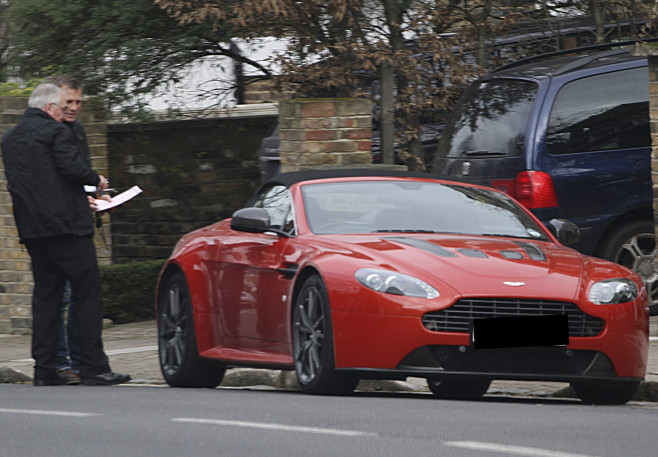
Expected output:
(103, 183)
(92, 201)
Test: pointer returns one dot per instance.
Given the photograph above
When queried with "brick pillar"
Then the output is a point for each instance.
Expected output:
(650, 50)
(324, 132)
(15, 270)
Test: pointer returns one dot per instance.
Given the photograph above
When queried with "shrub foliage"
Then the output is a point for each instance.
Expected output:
(129, 290)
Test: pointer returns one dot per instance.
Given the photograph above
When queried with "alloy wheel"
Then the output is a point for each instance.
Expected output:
(172, 323)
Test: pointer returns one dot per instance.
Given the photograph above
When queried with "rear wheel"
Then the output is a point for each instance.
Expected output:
(313, 343)
(605, 392)
(180, 363)
(459, 388)
(634, 246)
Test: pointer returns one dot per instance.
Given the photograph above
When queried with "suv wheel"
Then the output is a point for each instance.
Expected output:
(634, 246)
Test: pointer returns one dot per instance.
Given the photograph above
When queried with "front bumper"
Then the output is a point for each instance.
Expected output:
(397, 346)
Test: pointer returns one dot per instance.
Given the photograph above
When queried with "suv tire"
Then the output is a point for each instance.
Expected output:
(634, 246)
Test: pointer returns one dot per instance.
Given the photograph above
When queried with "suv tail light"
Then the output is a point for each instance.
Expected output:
(533, 189)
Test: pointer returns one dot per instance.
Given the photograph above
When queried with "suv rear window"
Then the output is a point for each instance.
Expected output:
(601, 112)
(490, 120)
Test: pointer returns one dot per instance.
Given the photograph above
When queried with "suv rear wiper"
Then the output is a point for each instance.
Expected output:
(404, 230)
(484, 154)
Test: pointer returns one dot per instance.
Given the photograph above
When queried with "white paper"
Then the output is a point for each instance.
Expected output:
(123, 197)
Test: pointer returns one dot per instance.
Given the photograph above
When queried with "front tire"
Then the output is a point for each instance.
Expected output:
(458, 388)
(180, 363)
(313, 344)
(605, 392)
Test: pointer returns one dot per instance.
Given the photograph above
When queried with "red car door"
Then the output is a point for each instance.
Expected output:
(252, 295)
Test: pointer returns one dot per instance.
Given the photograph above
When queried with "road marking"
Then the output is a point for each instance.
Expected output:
(131, 350)
(112, 352)
(47, 413)
(282, 427)
(512, 450)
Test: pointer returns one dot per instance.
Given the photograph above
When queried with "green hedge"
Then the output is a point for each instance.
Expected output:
(129, 290)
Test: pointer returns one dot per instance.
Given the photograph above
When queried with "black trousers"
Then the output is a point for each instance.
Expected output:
(54, 260)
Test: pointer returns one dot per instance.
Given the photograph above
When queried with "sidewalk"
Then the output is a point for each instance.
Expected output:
(132, 348)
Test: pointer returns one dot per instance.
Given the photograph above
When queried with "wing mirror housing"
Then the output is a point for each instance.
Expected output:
(252, 220)
(564, 230)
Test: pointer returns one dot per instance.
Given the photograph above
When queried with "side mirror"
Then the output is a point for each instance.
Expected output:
(565, 231)
(253, 220)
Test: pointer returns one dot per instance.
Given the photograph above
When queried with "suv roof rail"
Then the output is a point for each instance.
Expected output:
(581, 62)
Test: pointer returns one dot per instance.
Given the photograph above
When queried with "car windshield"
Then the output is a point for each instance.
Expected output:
(490, 120)
(390, 206)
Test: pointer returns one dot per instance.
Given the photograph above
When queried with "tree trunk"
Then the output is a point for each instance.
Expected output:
(387, 121)
(597, 8)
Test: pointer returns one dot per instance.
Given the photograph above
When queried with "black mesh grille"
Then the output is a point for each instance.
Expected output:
(458, 317)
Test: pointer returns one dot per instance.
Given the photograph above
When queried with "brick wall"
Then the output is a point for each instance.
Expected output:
(653, 109)
(651, 51)
(192, 173)
(15, 270)
(264, 92)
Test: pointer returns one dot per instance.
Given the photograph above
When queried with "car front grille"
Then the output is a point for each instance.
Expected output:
(458, 318)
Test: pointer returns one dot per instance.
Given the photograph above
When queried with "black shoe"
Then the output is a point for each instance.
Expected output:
(50, 380)
(106, 379)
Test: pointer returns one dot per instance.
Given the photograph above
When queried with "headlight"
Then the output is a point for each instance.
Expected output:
(613, 291)
(391, 282)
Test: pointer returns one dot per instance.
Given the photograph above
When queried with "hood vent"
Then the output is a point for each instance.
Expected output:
(532, 251)
(424, 245)
(473, 253)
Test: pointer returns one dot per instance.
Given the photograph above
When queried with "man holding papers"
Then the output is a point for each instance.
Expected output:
(45, 177)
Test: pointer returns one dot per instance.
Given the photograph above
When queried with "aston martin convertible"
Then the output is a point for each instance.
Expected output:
(343, 275)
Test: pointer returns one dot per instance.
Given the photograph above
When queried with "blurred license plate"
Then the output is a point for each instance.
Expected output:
(505, 332)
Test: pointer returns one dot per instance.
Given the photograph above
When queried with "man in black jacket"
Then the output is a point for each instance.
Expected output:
(45, 177)
(68, 356)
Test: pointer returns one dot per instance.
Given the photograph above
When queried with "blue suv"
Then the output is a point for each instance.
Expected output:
(569, 137)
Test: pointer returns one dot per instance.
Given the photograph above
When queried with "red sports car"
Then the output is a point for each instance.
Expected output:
(343, 275)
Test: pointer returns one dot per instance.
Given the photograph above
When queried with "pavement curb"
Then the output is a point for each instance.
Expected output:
(11, 376)
(286, 380)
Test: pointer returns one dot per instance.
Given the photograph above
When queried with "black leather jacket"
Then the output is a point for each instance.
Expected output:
(45, 177)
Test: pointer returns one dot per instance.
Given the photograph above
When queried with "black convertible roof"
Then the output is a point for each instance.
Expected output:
(288, 179)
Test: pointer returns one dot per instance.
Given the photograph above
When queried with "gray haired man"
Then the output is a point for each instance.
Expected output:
(45, 177)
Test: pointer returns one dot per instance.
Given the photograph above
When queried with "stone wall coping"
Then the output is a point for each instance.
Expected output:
(238, 111)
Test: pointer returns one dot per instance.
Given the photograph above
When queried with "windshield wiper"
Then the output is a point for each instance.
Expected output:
(403, 230)
(508, 235)
(484, 154)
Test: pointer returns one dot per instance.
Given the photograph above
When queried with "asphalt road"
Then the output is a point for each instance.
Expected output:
(145, 421)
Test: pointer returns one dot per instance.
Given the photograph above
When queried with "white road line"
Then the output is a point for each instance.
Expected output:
(282, 427)
(511, 450)
(42, 412)
(112, 352)
(131, 350)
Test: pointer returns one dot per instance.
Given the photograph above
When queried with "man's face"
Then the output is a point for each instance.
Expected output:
(73, 103)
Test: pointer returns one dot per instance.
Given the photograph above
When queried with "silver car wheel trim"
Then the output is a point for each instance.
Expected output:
(310, 334)
(172, 336)
(643, 261)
